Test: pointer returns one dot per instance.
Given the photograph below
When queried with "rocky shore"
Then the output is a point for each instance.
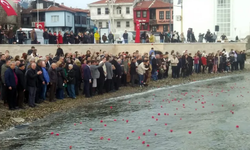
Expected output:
(12, 118)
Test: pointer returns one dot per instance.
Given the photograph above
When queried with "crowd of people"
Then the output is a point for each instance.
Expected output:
(32, 79)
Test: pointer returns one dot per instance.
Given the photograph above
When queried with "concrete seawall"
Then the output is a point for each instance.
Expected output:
(116, 48)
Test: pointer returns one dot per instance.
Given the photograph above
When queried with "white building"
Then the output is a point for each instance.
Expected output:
(122, 14)
(201, 15)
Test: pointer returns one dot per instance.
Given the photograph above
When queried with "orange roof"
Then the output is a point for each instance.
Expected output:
(143, 4)
(160, 4)
(116, 1)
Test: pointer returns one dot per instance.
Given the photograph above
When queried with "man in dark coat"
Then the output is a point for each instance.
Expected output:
(91, 38)
(53, 82)
(87, 79)
(40, 82)
(31, 82)
(1, 34)
(66, 37)
(117, 74)
(133, 73)
(20, 35)
(77, 78)
(21, 85)
(11, 82)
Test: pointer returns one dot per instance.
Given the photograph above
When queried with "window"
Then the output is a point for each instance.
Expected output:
(144, 14)
(100, 25)
(106, 11)
(127, 24)
(161, 15)
(25, 21)
(107, 24)
(127, 10)
(165, 28)
(167, 14)
(154, 28)
(99, 11)
(145, 26)
(118, 24)
(55, 18)
(68, 18)
(119, 10)
(84, 20)
(138, 14)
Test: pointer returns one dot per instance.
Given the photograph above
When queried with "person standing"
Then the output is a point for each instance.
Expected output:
(97, 37)
(133, 71)
(1, 35)
(20, 35)
(87, 79)
(66, 38)
(4, 88)
(71, 82)
(11, 35)
(53, 82)
(46, 36)
(61, 80)
(31, 78)
(95, 75)
(40, 81)
(104, 38)
(141, 71)
(33, 36)
(11, 82)
(111, 37)
(60, 38)
(125, 37)
(174, 62)
(46, 80)
(161, 37)
(21, 85)
(109, 72)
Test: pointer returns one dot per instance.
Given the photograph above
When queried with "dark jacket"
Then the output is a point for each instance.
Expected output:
(85, 39)
(91, 39)
(133, 69)
(125, 36)
(21, 79)
(45, 35)
(118, 69)
(59, 52)
(77, 73)
(9, 76)
(71, 76)
(102, 76)
(60, 77)
(52, 75)
(155, 64)
(31, 78)
(20, 35)
(87, 73)
(51, 38)
(72, 39)
(161, 36)
(40, 78)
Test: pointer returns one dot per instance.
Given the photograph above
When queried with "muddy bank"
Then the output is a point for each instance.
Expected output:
(47, 108)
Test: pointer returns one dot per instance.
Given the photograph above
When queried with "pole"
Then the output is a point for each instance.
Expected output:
(37, 15)
(181, 16)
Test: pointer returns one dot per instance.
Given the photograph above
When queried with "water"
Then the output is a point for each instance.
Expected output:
(213, 127)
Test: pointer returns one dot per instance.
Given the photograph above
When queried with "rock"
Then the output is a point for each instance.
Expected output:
(18, 120)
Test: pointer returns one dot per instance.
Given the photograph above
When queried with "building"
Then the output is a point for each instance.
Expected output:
(155, 15)
(120, 14)
(229, 15)
(56, 17)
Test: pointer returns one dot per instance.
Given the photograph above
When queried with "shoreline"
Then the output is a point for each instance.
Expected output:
(47, 108)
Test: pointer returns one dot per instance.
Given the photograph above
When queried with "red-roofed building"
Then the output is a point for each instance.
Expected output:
(154, 15)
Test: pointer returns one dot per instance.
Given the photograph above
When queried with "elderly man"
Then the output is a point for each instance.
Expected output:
(21, 85)
(87, 79)
(31, 78)
(53, 82)
(71, 82)
(11, 82)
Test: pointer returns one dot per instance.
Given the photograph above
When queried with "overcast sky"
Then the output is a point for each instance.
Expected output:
(76, 3)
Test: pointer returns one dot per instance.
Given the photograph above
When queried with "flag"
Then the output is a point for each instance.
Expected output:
(138, 33)
(179, 1)
(8, 8)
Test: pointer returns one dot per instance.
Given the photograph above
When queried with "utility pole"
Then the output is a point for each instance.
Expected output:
(37, 15)
(181, 16)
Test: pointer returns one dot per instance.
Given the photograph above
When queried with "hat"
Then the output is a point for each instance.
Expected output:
(21, 65)
(32, 46)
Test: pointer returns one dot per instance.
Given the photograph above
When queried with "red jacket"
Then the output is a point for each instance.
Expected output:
(204, 61)
(60, 39)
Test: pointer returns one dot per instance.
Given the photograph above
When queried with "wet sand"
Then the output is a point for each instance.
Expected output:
(48, 108)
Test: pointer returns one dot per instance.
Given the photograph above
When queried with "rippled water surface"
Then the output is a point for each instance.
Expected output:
(155, 113)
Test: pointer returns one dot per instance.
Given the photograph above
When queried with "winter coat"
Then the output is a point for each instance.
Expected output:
(71, 76)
